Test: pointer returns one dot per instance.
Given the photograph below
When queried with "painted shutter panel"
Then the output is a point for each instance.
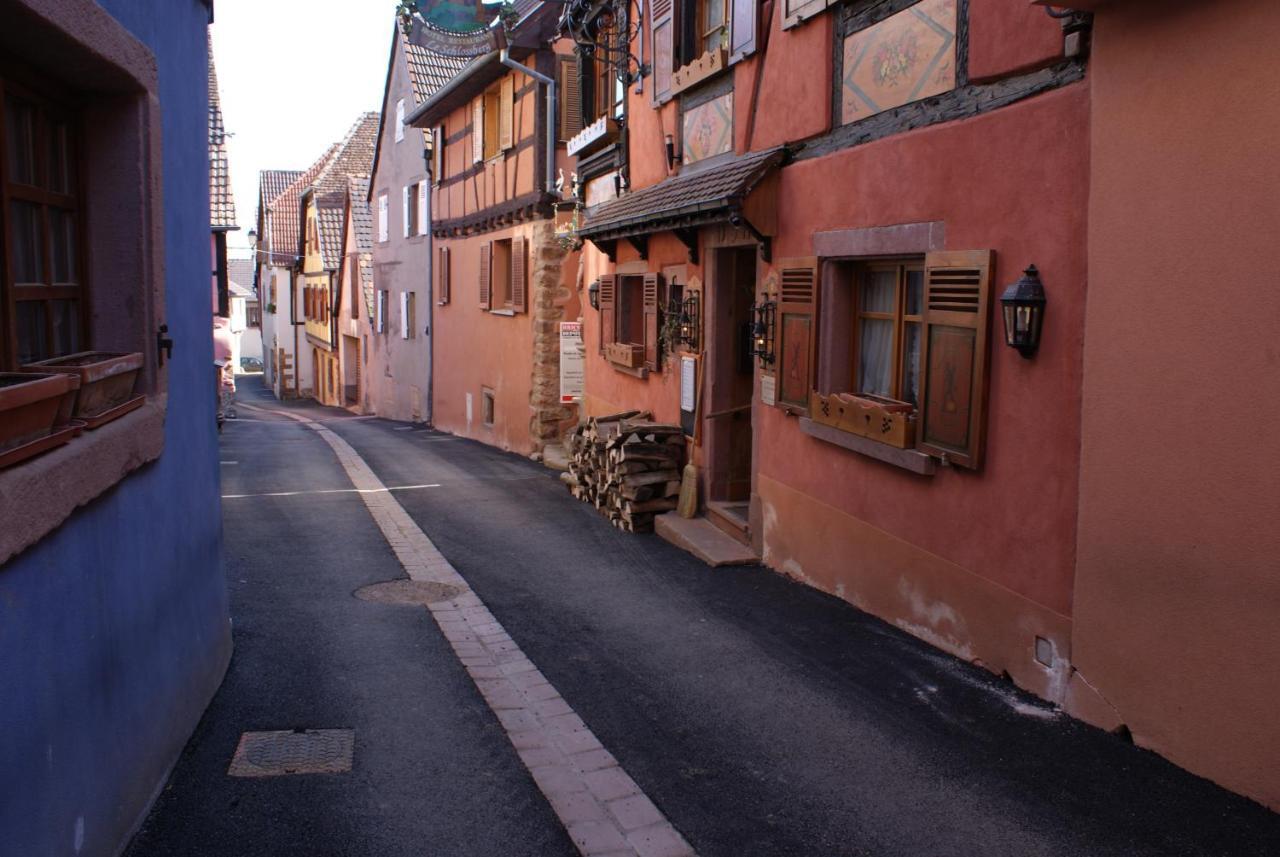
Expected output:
(953, 355)
(652, 353)
(477, 130)
(519, 274)
(437, 154)
(422, 208)
(382, 218)
(404, 315)
(404, 210)
(506, 102)
(662, 38)
(796, 12)
(570, 98)
(486, 267)
(744, 24)
(399, 120)
(608, 291)
(797, 299)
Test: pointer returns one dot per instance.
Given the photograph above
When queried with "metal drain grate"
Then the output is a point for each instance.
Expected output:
(297, 751)
(413, 592)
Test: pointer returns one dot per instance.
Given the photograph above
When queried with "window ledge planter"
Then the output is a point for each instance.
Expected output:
(877, 418)
(29, 410)
(710, 63)
(107, 380)
(907, 459)
(625, 354)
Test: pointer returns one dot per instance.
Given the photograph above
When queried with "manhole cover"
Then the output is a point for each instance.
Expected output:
(415, 592)
(296, 751)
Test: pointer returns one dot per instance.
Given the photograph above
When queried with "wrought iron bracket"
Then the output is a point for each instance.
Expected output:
(689, 238)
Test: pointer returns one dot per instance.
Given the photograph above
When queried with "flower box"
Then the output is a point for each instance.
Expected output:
(625, 354)
(710, 63)
(877, 418)
(29, 405)
(107, 379)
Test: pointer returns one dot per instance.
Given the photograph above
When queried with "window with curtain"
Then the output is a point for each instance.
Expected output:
(889, 306)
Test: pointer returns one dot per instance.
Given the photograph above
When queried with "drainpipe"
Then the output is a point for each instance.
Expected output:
(504, 57)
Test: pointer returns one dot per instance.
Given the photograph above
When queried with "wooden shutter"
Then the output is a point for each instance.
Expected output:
(437, 154)
(486, 268)
(652, 352)
(404, 210)
(570, 98)
(442, 275)
(796, 12)
(506, 102)
(423, 218)
(477, 129)
(953, 355)
(662, 40)
(519, 274)
(608, 293)
(744, 24)
(796, 331)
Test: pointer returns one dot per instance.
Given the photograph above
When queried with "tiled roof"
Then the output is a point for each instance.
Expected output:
(353, 158)
(240, 272)
(691, 198)
(428, 71)
(362, 235)
(222, 205)
(330, 211)
(272, 183)
(238, 291)
(285, 215)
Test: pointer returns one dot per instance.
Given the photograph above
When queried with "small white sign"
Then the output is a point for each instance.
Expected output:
(573, 361)
(768, 390)
(688, 383)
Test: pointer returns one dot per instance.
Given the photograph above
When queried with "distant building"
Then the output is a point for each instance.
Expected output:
(398, 333)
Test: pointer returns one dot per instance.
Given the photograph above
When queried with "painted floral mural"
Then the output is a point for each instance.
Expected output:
(906, 57)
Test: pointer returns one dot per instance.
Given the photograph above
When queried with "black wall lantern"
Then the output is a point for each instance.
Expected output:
(763, 330)
(690, 312)
(1023, 304)
(593, 294)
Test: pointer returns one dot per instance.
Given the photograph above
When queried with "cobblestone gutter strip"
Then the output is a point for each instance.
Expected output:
(603, 809)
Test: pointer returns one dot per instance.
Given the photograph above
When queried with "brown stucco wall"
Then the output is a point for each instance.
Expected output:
(1177, 592)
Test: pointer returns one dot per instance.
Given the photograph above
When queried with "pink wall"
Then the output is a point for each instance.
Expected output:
(1014, 181)
(1007, 36)
(1177, 589)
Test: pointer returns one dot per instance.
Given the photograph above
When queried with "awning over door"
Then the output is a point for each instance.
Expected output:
(681, 204)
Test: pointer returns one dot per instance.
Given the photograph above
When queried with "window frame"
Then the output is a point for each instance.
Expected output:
(625, 284)
(899, 318)
(48, 109)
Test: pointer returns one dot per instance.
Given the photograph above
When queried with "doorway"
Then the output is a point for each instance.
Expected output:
(730, 387)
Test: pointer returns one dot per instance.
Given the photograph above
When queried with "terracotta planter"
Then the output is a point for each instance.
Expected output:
(106, 378)
(29, 406)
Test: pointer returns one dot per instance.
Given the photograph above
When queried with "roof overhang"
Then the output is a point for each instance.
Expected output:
(740, 192)
(469, 83)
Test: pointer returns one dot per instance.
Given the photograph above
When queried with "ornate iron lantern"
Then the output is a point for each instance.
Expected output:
(690, 320)
(1023, 304)
(764, 317)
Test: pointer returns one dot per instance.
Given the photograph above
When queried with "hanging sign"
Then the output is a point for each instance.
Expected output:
(573, 361)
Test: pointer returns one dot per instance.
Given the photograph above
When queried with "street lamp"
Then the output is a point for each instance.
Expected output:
(763, 330)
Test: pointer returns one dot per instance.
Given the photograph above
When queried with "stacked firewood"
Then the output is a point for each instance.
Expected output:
(627, 467)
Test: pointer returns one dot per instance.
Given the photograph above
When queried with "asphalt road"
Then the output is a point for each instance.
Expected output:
(762, 717)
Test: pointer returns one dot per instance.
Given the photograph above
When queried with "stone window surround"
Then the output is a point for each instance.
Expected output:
(125, 244)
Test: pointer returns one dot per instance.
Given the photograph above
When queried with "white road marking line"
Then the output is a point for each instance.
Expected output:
(228, 462)
(330, 491)
(601, 807)
(403, 428)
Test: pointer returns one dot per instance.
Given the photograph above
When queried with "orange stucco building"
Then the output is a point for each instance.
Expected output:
(790, 207)
(501, 280)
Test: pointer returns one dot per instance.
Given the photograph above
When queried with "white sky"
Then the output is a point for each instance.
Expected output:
(293, 77)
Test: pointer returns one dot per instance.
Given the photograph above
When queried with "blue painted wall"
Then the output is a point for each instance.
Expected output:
(114, 630)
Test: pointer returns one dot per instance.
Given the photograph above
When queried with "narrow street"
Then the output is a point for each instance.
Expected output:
(759, 716)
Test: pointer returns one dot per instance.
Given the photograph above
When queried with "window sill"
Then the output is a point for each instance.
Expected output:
(634, 371)
(907, 459)
(507, 312)
(37, 496)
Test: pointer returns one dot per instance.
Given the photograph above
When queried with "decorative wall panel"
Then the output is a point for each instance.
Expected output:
(906, 57)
